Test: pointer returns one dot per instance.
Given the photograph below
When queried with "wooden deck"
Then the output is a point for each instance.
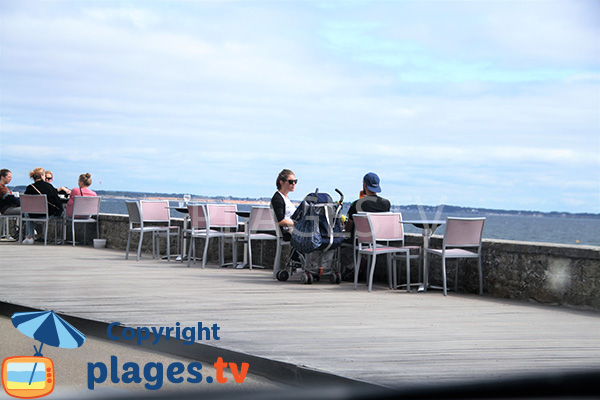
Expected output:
(389, 338)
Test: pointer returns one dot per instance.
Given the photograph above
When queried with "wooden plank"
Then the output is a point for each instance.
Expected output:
(385, 337)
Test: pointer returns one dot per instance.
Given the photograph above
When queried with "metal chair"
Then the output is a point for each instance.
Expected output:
(5, 224)
(37, 204)
(157, 212)
(371, 229)
(200, 229)
(136, 224)
(460, 233)
(224, 219)
(85, 208)
(261, 227)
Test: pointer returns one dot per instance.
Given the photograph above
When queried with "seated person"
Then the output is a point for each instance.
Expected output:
(282, 205)
(40, 186)
(61, 190)
(9, 204)
(85, 181)
(369, 200)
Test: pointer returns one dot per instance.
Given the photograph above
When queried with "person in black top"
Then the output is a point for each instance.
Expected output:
(282, 205)
(369, 200)
(40, 186)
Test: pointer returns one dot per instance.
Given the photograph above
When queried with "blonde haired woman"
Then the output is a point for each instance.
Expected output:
(40, 186)
(85, 181)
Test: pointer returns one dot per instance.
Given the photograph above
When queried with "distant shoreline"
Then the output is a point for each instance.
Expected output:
(266, 201)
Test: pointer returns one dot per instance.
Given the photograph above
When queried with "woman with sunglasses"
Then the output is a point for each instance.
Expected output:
(61, 190)
(281, 204)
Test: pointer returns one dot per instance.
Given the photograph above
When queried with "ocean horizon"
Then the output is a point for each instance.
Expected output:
(540, 228)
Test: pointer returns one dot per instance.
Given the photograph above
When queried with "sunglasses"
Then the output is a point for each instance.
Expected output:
(292, 181)
(49, 178)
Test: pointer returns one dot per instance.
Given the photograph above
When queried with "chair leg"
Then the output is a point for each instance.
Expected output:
(389, 270)
(73, 229)
(408, 288)
(250, 256)
(46, 232)
(480, 276)
(127, 248)
(277, 264)
(189, 259)
(205, 254)
(234, 252)
(139, 251)
(420, 271)
(394, 273)
(356, 268)
(444, 275)
(221, 251)
(372, 272)
(168, 246)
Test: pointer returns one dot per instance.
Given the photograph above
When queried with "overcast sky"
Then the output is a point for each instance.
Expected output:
(491, 104)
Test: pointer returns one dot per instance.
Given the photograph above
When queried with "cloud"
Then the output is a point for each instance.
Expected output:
(445, 100)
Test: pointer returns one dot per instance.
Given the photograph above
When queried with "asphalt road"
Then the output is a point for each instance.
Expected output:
(72, 369)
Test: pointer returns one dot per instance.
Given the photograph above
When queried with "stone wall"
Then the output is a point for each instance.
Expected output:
(541, 272)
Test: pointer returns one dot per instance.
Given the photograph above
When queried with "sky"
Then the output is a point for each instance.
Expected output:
(487, 104)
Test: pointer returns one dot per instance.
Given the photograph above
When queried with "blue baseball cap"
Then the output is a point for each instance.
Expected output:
(372, 181)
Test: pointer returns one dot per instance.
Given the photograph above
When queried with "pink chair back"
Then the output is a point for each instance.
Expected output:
(261, 220)
(34, 204)
(363, 230)
(155, 211)
(463, 231)
(373, 227)
(199, 217)
(222, 215)
(387, 226)
(86, 205)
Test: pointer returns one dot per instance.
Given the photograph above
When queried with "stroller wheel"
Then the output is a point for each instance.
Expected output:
(316, 278)
(333, 278)
(306, 278)
(338, 278)
(283, 275)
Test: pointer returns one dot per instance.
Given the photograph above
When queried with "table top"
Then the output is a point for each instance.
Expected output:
(425, 223)
(182, 210)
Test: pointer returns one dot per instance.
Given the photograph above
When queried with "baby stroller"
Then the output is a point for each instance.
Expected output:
(316, 237)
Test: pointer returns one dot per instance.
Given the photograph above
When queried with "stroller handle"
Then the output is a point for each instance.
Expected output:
(341, 195)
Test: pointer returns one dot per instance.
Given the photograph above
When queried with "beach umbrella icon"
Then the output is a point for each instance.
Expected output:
(48, 328)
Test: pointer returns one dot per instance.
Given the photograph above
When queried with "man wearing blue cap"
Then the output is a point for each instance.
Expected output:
(369, 201)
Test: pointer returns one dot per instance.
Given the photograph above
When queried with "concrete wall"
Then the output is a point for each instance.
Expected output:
(541, 272)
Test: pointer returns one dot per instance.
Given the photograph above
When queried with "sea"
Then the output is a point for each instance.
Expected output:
(583, 231)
